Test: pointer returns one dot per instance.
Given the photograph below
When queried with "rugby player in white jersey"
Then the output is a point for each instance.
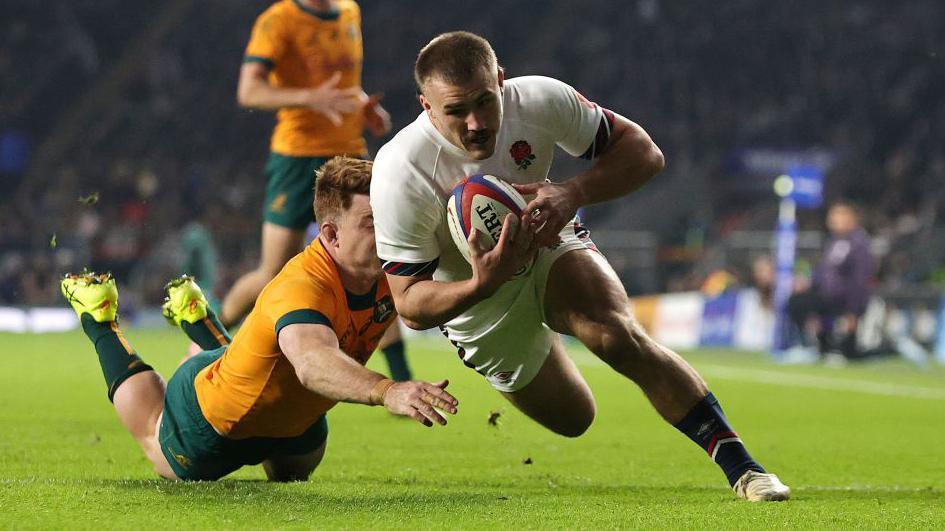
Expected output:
(506, 325)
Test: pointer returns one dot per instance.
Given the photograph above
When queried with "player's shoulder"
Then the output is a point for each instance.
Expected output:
(309, 275)
(535, 89)
(276, 15)
(410, 151)
(349, 7)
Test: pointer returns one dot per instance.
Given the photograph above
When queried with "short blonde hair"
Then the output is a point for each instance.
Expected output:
(336, 182)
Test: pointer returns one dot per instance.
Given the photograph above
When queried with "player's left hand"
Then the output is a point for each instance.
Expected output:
(376, 118)
(420, 400)
(554, 205)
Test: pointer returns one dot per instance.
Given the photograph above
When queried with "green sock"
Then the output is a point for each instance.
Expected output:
(397, 361)
(118, 360)
(208, 332)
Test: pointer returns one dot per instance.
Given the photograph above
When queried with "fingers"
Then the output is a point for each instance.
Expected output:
(430, 414)
(333, 116)
(527, 189)
(476, 248)
(417, 416)
(375, 98)
(440, 399)
(332, 81)
(507, 236)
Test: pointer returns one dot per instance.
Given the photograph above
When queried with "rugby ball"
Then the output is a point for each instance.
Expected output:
(481, 202)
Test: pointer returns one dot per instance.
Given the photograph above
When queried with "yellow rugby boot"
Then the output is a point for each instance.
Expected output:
(91, 293)
(184, 302)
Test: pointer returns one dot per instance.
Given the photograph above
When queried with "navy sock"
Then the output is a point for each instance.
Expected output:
(118, 360)
(707, 426)
(208, 332)
(397, 361)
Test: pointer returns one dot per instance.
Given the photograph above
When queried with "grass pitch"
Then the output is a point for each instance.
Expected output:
(861, 447)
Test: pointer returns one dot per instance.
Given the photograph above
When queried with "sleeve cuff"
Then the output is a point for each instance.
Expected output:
(405, 269)
(304, 316)
(265, 61)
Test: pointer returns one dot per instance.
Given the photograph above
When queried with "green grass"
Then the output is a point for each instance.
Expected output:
(854, 457)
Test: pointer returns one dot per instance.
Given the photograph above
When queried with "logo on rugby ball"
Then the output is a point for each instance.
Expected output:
(481, 202)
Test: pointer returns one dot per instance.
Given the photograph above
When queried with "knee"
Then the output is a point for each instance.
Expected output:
(282, 473)
(287, 476)
(577, 423)
(616, 336)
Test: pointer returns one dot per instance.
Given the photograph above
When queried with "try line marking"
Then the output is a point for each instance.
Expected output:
(789, 379)
(822, 382)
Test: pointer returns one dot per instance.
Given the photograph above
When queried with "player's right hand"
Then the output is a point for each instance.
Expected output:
(334, 102)
(515, 249)
(417, 400)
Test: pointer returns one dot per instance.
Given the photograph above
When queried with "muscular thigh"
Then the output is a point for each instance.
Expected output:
(558, 398)
(583, 293)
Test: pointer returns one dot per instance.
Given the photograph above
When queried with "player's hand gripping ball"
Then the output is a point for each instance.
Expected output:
(481, 202)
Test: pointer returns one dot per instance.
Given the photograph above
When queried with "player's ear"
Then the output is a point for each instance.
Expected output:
(424, 102)
(330, 231)
(501, 76)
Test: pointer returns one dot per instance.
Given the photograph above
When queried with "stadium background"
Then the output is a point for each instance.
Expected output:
(135, 106)
(131, 108)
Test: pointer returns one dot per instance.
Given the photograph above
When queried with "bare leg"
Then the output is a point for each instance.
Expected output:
(391, 336)
(279, 244)
(392, 345)
(558, 398)
(139, 402)
(584, 298)
(293, 467)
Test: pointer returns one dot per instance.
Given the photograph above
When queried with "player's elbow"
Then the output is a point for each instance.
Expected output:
(650, 158)
(415, 325)
(655, 160)
(244, 97)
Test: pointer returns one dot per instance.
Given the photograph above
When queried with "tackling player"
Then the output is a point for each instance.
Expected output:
(475, 121)
(304, 59)
(262, 398)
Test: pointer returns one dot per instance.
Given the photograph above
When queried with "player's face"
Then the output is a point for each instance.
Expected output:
(468, 115)
(841, 219)
(356, 235)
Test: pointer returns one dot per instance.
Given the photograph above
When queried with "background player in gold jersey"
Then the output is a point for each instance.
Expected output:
(262, 398)
(304, 59)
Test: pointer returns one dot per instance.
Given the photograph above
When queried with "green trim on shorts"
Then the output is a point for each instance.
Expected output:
(290, 190)
(196, 451)
(304, 316)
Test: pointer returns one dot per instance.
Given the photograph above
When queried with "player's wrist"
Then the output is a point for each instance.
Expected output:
(575, 191)
(478, 289)
(379, 391)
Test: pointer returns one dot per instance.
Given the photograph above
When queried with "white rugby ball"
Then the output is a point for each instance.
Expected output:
(481, 202)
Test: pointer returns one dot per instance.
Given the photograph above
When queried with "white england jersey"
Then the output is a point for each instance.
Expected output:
(414, 172)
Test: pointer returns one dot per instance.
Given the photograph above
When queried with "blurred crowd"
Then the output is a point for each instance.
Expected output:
(119, 126)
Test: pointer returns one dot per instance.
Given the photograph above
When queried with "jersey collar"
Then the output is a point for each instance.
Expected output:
(321, 15)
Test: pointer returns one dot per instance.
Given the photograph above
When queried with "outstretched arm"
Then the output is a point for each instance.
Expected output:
(323, 368)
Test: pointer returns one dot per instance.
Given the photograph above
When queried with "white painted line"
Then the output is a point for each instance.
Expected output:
(789, 379)
(886, 489)
(785, 378)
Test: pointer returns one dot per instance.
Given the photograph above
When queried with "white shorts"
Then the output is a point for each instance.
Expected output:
(505, 337)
